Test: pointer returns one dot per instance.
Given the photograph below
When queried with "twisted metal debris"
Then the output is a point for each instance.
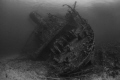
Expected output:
(67, 44)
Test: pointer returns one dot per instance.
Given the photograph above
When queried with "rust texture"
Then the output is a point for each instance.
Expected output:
(67, 43)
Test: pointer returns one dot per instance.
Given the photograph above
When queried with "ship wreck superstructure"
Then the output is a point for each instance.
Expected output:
(66, 44)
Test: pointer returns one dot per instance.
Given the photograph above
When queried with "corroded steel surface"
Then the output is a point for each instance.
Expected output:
(66, 43)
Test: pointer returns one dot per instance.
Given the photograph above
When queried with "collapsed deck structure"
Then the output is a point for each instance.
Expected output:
(66, 44)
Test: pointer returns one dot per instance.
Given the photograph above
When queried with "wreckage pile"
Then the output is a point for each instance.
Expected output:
(67, 45)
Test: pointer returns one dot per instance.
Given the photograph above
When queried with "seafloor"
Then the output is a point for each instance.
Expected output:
(106, 68)
(29, 70)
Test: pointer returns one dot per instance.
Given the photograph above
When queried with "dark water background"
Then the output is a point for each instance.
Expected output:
(16, 26)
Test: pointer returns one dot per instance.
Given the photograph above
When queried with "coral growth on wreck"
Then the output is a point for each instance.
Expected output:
(64, 50)
(67, 43)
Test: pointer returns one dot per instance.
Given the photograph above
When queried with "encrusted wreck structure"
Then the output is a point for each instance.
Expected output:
(67, 45)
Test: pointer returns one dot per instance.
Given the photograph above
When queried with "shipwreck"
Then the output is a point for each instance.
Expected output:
(67, 45)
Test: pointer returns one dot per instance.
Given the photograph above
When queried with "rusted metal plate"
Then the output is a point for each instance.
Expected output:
(67, 43)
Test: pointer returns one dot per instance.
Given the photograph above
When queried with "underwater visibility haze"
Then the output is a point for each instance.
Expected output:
(58, 39)
(16, 26)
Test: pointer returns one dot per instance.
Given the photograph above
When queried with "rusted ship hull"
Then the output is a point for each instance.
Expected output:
(68, 43)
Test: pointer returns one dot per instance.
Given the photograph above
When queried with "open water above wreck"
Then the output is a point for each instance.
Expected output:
(16, 26)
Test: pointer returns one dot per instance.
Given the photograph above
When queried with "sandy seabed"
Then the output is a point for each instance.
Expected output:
(16, 69)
